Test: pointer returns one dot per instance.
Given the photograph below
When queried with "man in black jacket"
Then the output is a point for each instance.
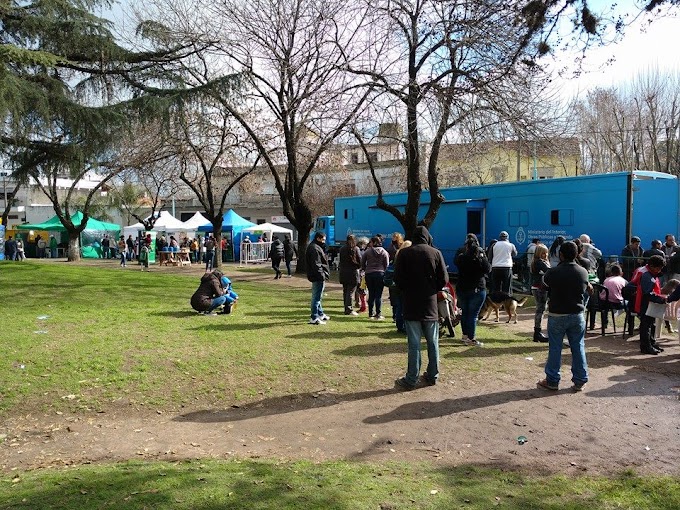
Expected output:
(420, 273)
(567, 285)
(276, 254)
(318, 272)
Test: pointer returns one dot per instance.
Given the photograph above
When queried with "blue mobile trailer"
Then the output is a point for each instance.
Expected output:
(608, 207)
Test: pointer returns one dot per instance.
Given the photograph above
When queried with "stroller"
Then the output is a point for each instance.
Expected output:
(449, 313)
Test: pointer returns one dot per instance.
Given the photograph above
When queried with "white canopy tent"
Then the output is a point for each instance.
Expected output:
(192, 224)
(269, 228)
(166, 222)
(258, 252)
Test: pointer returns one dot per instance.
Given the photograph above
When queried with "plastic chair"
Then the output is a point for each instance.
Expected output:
(629, 293)
(599, 302)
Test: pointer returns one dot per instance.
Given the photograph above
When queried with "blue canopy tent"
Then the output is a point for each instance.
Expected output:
(232, 224)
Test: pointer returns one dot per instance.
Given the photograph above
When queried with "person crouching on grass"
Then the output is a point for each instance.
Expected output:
(210, 293)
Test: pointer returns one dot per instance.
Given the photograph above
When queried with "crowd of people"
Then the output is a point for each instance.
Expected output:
(562, 284)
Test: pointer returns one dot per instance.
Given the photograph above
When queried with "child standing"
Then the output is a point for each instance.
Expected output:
(144, 256)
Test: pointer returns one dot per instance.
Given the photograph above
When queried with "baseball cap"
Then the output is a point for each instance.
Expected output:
(503, 235)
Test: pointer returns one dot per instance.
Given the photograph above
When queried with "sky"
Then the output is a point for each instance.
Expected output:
(643, 47)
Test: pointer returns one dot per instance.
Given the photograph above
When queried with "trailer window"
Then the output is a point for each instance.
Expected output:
(518, 218)
(562, 217)
(349, 214)
(474, 222)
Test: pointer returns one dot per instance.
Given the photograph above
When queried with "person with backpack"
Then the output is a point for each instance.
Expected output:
(144, 255)
(473, 268)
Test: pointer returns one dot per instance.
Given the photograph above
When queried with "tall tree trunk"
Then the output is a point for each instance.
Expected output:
(73, 246)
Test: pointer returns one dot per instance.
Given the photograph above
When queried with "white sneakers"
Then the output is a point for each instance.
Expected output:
(471, 343)
(319, 320)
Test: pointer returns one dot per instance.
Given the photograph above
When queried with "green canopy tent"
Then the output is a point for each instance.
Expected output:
(89, 238)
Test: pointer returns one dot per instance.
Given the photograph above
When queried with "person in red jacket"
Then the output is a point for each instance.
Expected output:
(646, 279)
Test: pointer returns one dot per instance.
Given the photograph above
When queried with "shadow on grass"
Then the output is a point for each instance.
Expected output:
(423, 410)
(279, 405)
(209, 485)
(489, 350)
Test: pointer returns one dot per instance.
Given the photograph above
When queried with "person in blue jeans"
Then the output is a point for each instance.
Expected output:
(420, 273)
(210, 293)
(473, 268)
(567, 284)
(318, 271)
(374, 262)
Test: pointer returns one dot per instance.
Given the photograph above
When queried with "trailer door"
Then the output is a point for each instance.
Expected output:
(476, 219)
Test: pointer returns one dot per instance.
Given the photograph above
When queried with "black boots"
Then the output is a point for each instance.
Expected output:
(538, 336)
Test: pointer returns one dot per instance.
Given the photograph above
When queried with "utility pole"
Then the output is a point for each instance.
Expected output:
(4, 187)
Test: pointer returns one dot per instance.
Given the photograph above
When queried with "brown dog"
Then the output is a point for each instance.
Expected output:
(497, 300)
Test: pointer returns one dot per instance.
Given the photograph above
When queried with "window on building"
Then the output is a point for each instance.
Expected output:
(518, 218)
(562, 217)
(354, 158)
(373, 157)
(546, 172)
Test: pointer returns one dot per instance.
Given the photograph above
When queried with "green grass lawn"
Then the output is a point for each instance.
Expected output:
(117, 337)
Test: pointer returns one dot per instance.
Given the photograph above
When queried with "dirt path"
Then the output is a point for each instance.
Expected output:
(628, 416)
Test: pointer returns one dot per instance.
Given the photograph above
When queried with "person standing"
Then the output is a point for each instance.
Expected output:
(374, 262)
(209, 253)
(646, 280)
(105, 246)
(567, 285)
(397, 241)
(41, 245)
(501, 259)
(348, 266)
(144, 251)
(130, 246)
(276, 253)
(289, 251)
(420, 273)
(631, 256)
(318, 273)
(121, 250)
(10, 248)
(20, 255)
(53, 247)
(473, 268)
(654, 249)
(539, 266)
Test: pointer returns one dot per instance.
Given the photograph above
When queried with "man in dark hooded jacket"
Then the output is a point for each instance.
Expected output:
(420, 273)
(276, 254)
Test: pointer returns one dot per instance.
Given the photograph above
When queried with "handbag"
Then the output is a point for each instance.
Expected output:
(656, 310)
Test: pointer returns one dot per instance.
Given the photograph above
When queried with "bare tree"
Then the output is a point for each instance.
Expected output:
(213, 152)
(290, 55)
(143, 190)
(441, 63)
(634, 126)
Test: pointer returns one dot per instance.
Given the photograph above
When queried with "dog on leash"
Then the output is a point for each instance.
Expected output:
(497, 300)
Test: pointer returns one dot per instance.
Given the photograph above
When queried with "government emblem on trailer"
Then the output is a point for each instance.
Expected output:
(520, 236)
